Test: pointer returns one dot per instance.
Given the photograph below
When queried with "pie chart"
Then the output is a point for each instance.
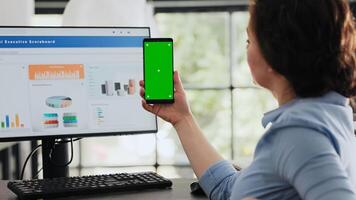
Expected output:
(58, 102)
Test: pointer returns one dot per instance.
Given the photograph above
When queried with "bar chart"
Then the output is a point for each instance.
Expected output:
(11, 121)
(14, 104)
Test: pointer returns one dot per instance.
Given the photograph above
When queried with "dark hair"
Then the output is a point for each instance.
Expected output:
(312, 43)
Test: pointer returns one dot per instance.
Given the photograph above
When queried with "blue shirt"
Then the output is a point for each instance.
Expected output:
(306, 153)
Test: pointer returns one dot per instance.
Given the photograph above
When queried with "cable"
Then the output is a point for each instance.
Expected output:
(63, 142)
(27, 159)
(50, 156)
(67, 141)
(38, 173)
(71, 150)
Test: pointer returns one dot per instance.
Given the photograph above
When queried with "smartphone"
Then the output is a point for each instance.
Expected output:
(158, 70)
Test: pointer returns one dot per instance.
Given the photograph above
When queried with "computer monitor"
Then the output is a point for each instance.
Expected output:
(65, 82)
(71, 82)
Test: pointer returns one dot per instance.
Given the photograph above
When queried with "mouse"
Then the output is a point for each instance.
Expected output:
(196, 190)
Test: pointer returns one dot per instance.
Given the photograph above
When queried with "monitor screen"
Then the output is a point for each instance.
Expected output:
(71, 82)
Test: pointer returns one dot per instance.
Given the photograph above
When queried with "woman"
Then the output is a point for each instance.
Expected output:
(303, 52)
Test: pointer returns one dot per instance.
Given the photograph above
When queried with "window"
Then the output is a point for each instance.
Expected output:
(202, 58)
(210, 53)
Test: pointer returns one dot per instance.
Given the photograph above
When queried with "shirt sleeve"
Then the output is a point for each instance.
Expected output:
(308, 161)
(218, 179)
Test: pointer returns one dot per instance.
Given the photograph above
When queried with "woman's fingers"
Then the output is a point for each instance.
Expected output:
(147, 107)
(154, 109)
(177, 82)
(142, 92)
(142, 89)
(142, 84)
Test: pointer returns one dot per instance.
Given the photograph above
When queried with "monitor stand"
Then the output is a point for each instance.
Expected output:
(54, 162)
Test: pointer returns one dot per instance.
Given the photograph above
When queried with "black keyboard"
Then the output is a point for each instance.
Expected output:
(83, 185)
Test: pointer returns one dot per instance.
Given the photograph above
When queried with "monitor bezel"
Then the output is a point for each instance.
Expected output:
(81, 135)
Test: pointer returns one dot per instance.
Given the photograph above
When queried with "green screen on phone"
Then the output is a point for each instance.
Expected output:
(158, 70)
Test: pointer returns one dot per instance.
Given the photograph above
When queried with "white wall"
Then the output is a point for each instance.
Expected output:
(16, 12)
(109, 13)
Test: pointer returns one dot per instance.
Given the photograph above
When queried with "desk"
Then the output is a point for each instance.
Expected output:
(180, 191)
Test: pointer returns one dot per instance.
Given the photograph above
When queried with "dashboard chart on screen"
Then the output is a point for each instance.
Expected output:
(57, 81)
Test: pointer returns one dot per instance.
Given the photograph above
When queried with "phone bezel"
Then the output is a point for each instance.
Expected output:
(158, 101)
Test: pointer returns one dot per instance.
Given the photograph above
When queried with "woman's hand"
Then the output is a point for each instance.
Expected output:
(172, 113)
(199, 152)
